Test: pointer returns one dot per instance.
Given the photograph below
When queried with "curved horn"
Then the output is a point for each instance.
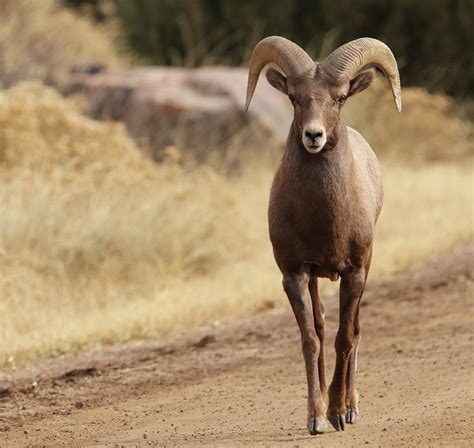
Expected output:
(347, 60)
(291, 59)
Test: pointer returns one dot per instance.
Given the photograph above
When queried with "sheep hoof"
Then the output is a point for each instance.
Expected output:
(316, 426)
(351, 416)
(337, 421)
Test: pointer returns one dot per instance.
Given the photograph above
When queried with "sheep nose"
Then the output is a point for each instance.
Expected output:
(313, 135)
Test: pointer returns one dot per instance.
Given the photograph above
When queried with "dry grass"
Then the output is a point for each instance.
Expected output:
(426, 131)
(98, 245)
(41, 40)
(427, 211)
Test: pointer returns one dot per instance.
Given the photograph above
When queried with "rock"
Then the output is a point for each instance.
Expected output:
(205, 340)
(192, 109)
(4, 391)
(76, 373)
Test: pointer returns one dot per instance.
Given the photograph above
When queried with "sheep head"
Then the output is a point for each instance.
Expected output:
(319, 90)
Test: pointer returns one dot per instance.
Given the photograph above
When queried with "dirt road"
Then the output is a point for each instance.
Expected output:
(243, 384)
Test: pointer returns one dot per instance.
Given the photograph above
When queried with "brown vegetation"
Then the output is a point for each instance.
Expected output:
(43, 41)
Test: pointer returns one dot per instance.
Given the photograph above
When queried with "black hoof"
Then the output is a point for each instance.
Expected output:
(316, 426)
(337, 421)
(351, 416)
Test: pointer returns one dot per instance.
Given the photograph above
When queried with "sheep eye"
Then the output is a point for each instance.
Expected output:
(341, 99)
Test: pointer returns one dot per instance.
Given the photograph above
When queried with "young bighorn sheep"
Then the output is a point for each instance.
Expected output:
(324, 202)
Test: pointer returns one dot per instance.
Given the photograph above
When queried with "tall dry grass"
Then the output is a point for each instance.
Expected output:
(98, 245)
(42, 40)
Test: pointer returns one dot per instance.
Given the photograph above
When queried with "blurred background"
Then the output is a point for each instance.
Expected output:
(133, 187)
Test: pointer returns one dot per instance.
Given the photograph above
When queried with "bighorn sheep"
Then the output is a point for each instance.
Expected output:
(324, 202)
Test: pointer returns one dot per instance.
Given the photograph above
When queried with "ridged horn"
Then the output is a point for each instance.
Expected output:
(291, 59)
(347, 60)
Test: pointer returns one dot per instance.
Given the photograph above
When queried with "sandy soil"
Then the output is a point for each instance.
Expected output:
(243, 384)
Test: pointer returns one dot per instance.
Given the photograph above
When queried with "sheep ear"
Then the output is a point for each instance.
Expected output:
(361, 81)
(277, 80)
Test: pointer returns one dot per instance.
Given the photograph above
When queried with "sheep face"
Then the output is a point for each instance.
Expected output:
(317, 101)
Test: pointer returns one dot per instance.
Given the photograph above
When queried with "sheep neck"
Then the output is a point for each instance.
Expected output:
(326, 175)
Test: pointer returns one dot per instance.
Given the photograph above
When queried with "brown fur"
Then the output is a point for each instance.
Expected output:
(322, 214)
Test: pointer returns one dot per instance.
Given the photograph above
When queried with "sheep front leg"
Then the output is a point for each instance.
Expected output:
(318, 313)
(352, 287)
(296, 288)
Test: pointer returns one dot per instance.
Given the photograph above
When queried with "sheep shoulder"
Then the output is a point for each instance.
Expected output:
(367, 176)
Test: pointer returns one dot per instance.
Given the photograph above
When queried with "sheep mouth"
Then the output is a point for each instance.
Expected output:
(313, 149)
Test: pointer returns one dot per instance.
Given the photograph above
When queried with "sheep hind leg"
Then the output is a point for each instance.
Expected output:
(352, 287)
(352, 396)
(296, 288)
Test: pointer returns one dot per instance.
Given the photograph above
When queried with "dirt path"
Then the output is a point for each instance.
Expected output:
(244, 383)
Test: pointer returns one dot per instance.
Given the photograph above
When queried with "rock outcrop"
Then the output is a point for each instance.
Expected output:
(192, 109)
